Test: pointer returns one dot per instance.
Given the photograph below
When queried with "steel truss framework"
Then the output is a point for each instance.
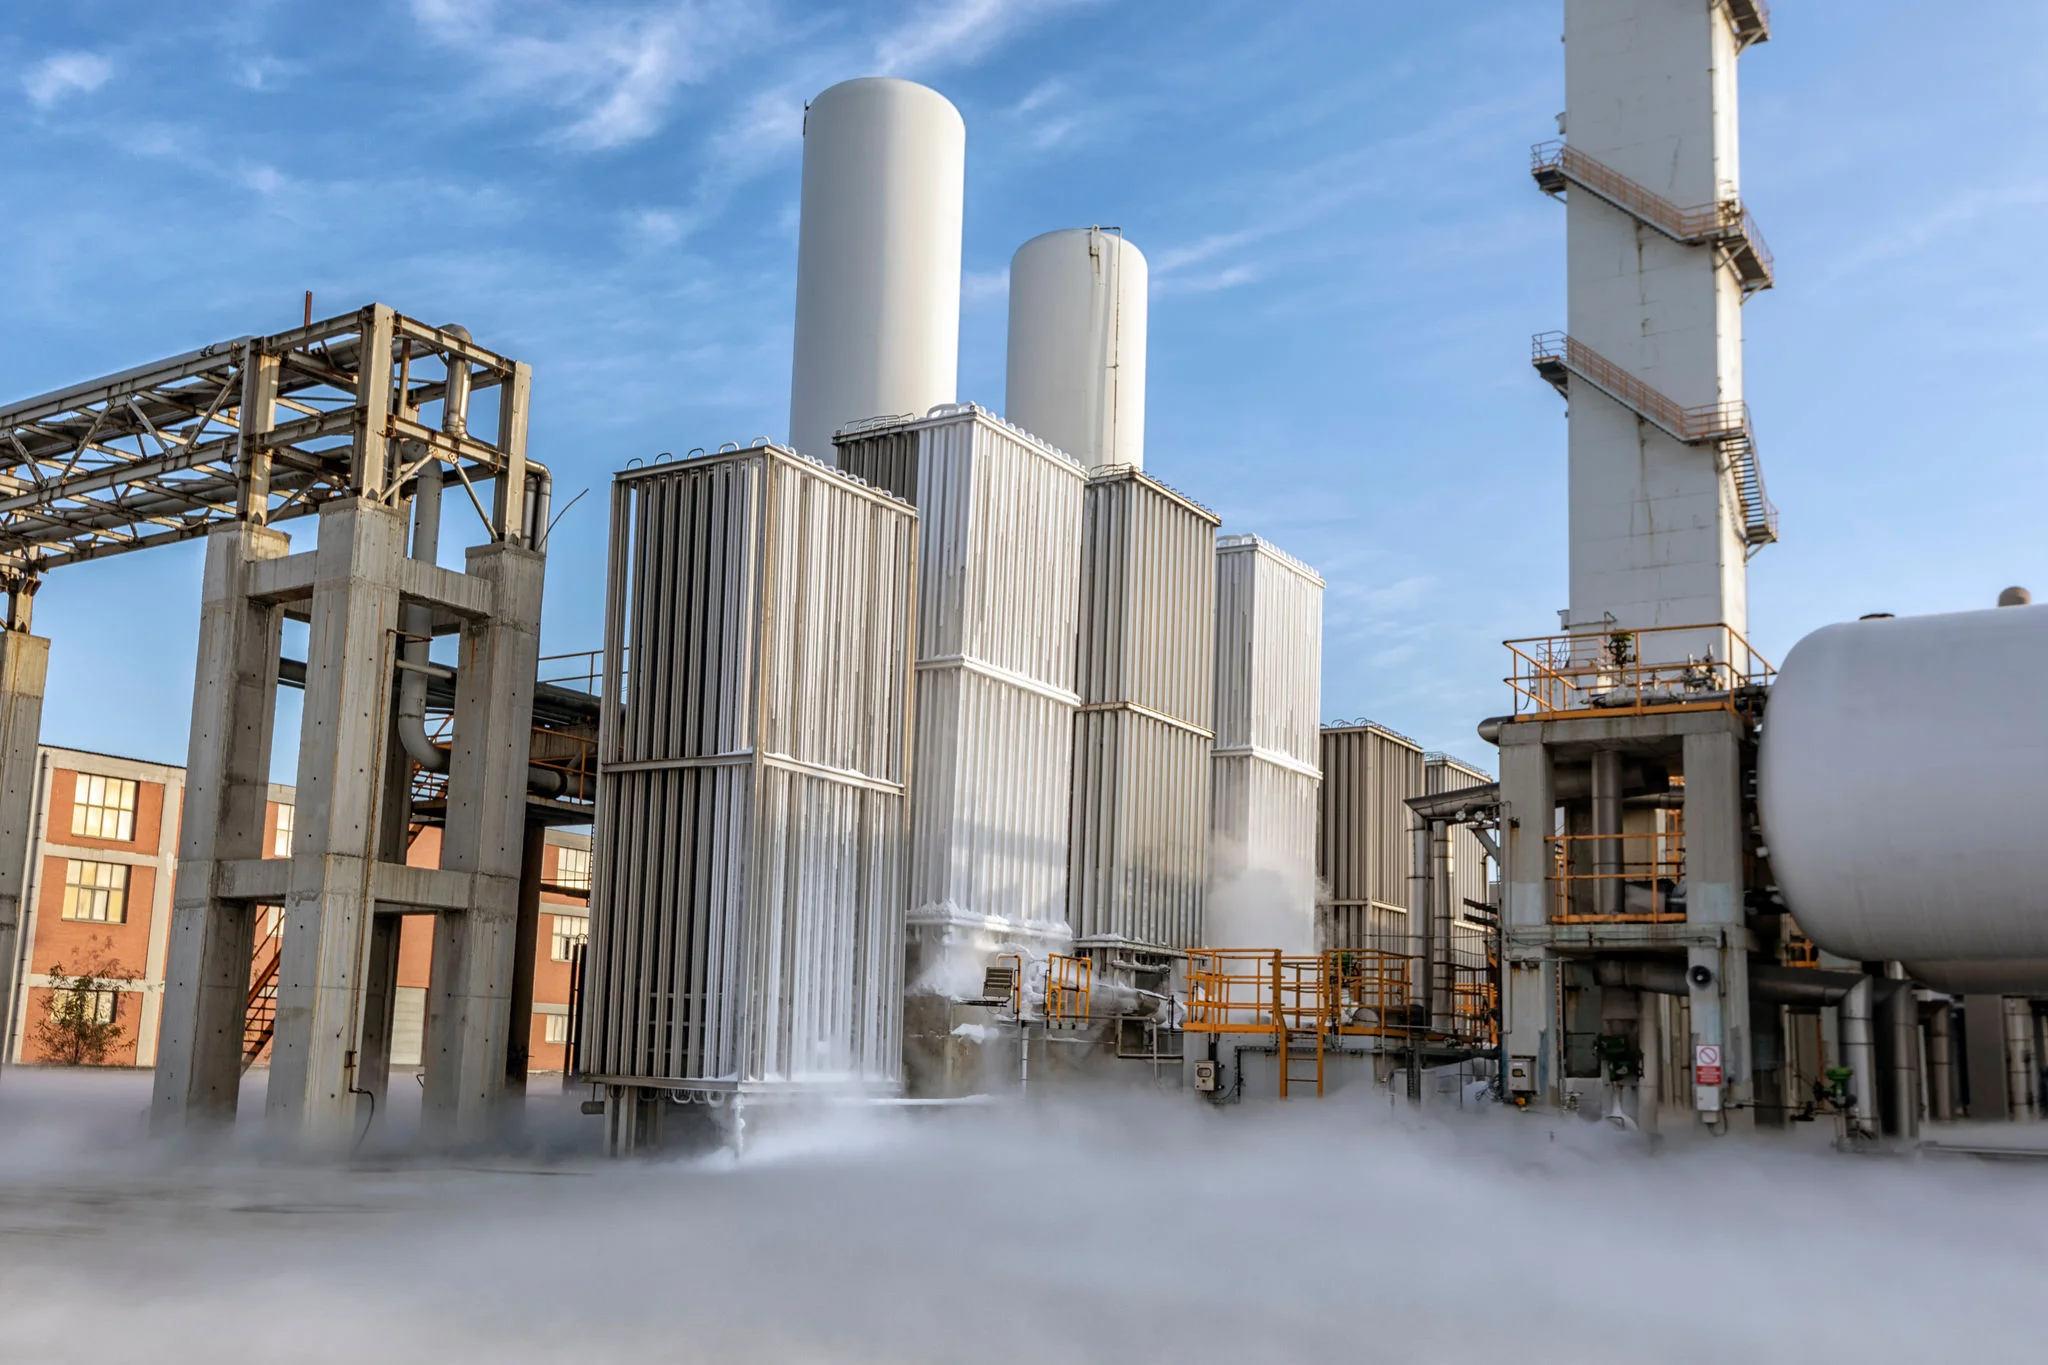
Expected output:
(258, 429)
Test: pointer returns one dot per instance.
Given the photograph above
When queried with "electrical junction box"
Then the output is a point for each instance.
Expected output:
(1521, 1075)
(1205, 1076)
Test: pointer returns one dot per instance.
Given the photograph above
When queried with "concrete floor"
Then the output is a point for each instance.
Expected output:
(1133, 1230)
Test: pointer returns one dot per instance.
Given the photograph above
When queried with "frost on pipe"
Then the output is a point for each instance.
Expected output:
(878, 257)
(1903, 778)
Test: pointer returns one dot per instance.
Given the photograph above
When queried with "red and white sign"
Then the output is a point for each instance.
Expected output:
(1706, 1064)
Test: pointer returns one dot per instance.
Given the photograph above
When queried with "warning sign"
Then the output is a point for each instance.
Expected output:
(1706, 1064)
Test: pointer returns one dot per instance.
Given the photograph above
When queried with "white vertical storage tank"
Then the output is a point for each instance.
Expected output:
(1266, 763)
(1076, 372)
(1146, 675)
(747, 914)
(999, 556)
(1365, 851)
(878, 257)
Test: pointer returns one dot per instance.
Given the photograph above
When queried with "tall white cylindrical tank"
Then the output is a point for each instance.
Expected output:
(878, 258)
(1076, 373)
(1903, 785)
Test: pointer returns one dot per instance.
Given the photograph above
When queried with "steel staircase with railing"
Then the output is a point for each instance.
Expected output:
(1724, 426)
(1726, 225)
(1751, 20)
(259, 1019)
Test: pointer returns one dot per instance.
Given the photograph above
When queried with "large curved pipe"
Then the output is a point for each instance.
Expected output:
(418, 621)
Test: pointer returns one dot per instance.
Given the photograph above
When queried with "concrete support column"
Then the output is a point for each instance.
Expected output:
(1529, 805)
(227, 785)
(1718, 975)
(314, 1080)
(24, 668)
(380, 1009)
(475, 951)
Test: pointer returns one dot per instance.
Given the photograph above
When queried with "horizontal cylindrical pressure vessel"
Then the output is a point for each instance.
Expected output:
(1076, 369)
(878, 258)
(1903, 785)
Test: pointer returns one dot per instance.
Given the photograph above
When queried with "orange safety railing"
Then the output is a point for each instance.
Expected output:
(1068, 983)
(1640, 881)
(1725, 220)
(1724, 425)
(1254, 990)
(1634, 672)
(1709, 422)
(1800, 951)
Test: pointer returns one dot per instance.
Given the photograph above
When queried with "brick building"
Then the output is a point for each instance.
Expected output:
(103, 859)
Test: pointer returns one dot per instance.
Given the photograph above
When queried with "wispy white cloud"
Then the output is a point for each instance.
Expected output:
(656, 227)
(954, 33)
(264, 73)
(1957, 213)
(613, 70)
(65, 73)
(983, 286)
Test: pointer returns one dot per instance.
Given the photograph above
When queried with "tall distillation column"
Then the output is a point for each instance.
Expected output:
(1661, 257)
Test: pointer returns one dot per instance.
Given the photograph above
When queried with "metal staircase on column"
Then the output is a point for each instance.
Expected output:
(259, 1021)
(1726, 226)
(1724, 426)
(1751, 20)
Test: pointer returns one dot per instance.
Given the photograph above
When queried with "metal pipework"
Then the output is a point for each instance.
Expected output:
(1770, 984)
(419, 628)
(2020, 1072)
(1900, 1013)
(1859, 1054)
(1941, 1062)
(1422, 921)
(1607, 842)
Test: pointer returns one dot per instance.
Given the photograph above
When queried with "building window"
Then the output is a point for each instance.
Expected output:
(101, 1007)
(96, 891)
(570, 930)
(572, 868)
(557, 1028)
(281, 844)
(103, 808)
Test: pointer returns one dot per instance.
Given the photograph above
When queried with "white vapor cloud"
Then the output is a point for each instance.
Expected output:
(614, 69)
(65, 73)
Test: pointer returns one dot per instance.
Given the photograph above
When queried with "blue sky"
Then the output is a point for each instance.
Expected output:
(1348, 260)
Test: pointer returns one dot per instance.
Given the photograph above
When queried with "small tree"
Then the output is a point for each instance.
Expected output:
(75, 1033)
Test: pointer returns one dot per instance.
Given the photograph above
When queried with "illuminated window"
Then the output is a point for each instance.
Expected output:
(572, 868)
(95, 891)
(101, 1007)
(570, 930)
(103, 807)
(281, 845)
(557, 1028)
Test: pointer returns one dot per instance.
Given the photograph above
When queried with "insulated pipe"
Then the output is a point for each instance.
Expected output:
(2020, 1086)
(419, 626)
(1899, 1014)
(1650, 1040)
(1859, 1054)
(1941, 1062)
(1607, 860)
(1770, 984)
